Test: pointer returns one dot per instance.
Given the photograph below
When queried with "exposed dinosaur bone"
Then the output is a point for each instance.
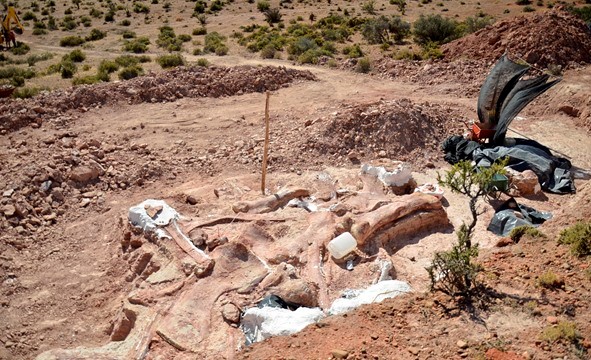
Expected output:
(269, 203)
(231, 219)
(368, 224)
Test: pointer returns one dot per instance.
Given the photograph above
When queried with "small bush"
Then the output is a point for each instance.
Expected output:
(139, 7)
(564, 330)
(95, 13)
(67, 69)
(86, 80)
(130, 60)
(550, 280)
(29, 16)
(199, 31)
(26, 92)
(528, 8)
(71, 41)
(171, 60)
(263, 5)
(20, 48)
(184, 37)
(33, 59)
(431, 51)
(76, 56)
(125, 22)
(86, 21)
(213, 41)
(523, 2)
(95, 34)
(473, 24)
(578, 237)
(68, 23)
(138, 46)
(518, 232)
(108, 66)
(130, 72)
(110, 16)
(363, 66)
(268, 52)
(128, 34)
(273, 16)
(434, 29)
(353, 51)
(202, 62)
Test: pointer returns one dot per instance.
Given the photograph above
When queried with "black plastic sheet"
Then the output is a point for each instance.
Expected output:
(511, 215)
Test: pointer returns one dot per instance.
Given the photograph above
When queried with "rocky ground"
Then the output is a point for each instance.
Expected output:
(72, 162)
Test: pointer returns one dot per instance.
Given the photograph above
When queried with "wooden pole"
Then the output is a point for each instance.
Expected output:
(266, 147)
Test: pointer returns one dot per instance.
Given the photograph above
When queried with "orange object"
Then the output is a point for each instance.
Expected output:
(481, 131)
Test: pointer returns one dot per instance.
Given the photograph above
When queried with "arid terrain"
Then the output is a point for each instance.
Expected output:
(78, 281)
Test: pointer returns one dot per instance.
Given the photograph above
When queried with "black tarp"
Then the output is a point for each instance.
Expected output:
(511, 215)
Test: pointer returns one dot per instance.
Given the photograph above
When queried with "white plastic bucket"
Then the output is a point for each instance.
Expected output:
(342, 245)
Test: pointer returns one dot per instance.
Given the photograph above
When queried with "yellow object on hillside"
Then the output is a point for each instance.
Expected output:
(10, 25)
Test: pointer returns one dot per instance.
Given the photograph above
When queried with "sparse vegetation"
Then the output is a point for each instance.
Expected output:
(202, 62)
(71, 41)
(170, 60)
(95, 34)
(563, 331)
(550, 280)
(363, 66)
(578, 237)
(215, 43)
(434, 29)
(26, 92)
(20, 48)
(518, 232)
(130, 72)
(385, 30)
(138, 45)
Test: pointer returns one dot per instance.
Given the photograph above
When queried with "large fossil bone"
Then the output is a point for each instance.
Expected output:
(366, 225)
(269, 203)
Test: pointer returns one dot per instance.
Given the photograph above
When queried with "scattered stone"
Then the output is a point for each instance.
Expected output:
(505, 241)
(8, 193)
(192, 200)
(84, 174)
(215, 242)
(552, 320)
(462, 344)
(123, 324)
(413, 350)
(569, 110)
(8, 210)
(153, 211)
(524, 183)
(298, 291)
(340, 354)
(231, 313)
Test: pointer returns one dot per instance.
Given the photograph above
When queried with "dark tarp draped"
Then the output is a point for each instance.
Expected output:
(511, 215)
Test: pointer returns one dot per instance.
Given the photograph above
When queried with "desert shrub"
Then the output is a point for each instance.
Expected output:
(125, 22)
(70, 41)
(406, 54)
(110, 16)
(170, 60)
(214, 41)
(431, 51)
(385, 30)
(454, 272)
(130, 60)
(268, 52)
(273, 16)
(67, 68)
(202, 62)
(200, 7)
(26, 92)
(8, 72)
(139, 7)
(138, 46)
(523, 2)
(86, 21)
(130, 72)
(550, 280)
(578, 237)
(528, 8)
(76, 56)
(564, 330)
(38, 31)
(51, 25)
(215, 6)
(95, 13)
(168, 40)
(184, 37)
(35, 58)
(68, 23)
(221, 50)
(473, 24)
(128, 34)
(434, 29)
(68, 11)
(353, 51)
(369, 7)
(263, 5)
(28, 16)
(20, 49)
(108, 66)
(518, 232)
(199, 31)
(95, 34)
(86, 80)
(363, 66)
(197, 51)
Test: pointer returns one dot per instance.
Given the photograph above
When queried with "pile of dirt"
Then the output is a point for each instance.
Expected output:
(462, 77)
(171, 85)
(396, 129)
(550, 38)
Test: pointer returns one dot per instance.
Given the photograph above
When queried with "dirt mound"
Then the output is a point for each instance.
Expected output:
(550, 38)
(167, 86)
(397, 129)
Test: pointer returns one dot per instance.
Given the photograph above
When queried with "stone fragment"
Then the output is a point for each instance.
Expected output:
(231, 313)
(524, 183)
(462, 344)
(298, 291)
(84, 173)
(123, 324)
(340, 354)
(8, 210)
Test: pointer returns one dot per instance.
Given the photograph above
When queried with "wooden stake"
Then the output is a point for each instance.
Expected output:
(266, 148)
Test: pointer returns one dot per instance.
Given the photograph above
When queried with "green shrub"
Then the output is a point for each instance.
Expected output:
(128, 34)
(578, 236)
(95, 34)
(528, 8)
(130, 60)
(68, 23)
(200, 6)
(70, 41)
(199, 31)
(202, 62)
(20, 48)
(139, 7)
(215, 6)
(369, 7)
(138, 46)
(95, 13)
(184, 37)
(35, 58)
(86, 21)
(110, 16)
(363, 65)
(385, 30)
(518, 232)
(221, 50)
(263, 5)
(76, 56)
(564, 330)
(268, 52)
(125, 22)
(473, 24)
(213, 41)
(197, 51)
(353, 51)
(86, 80)
(28, 16)
(523, 2)
(431, 51)
(108, 66)
(434, 29)
(171, 60)
(130, 72)
(550, 280)
(273, 16)
(26, 92)
(67, 69)
(37, 31)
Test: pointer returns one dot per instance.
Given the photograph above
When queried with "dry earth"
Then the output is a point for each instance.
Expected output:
(68, 178)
